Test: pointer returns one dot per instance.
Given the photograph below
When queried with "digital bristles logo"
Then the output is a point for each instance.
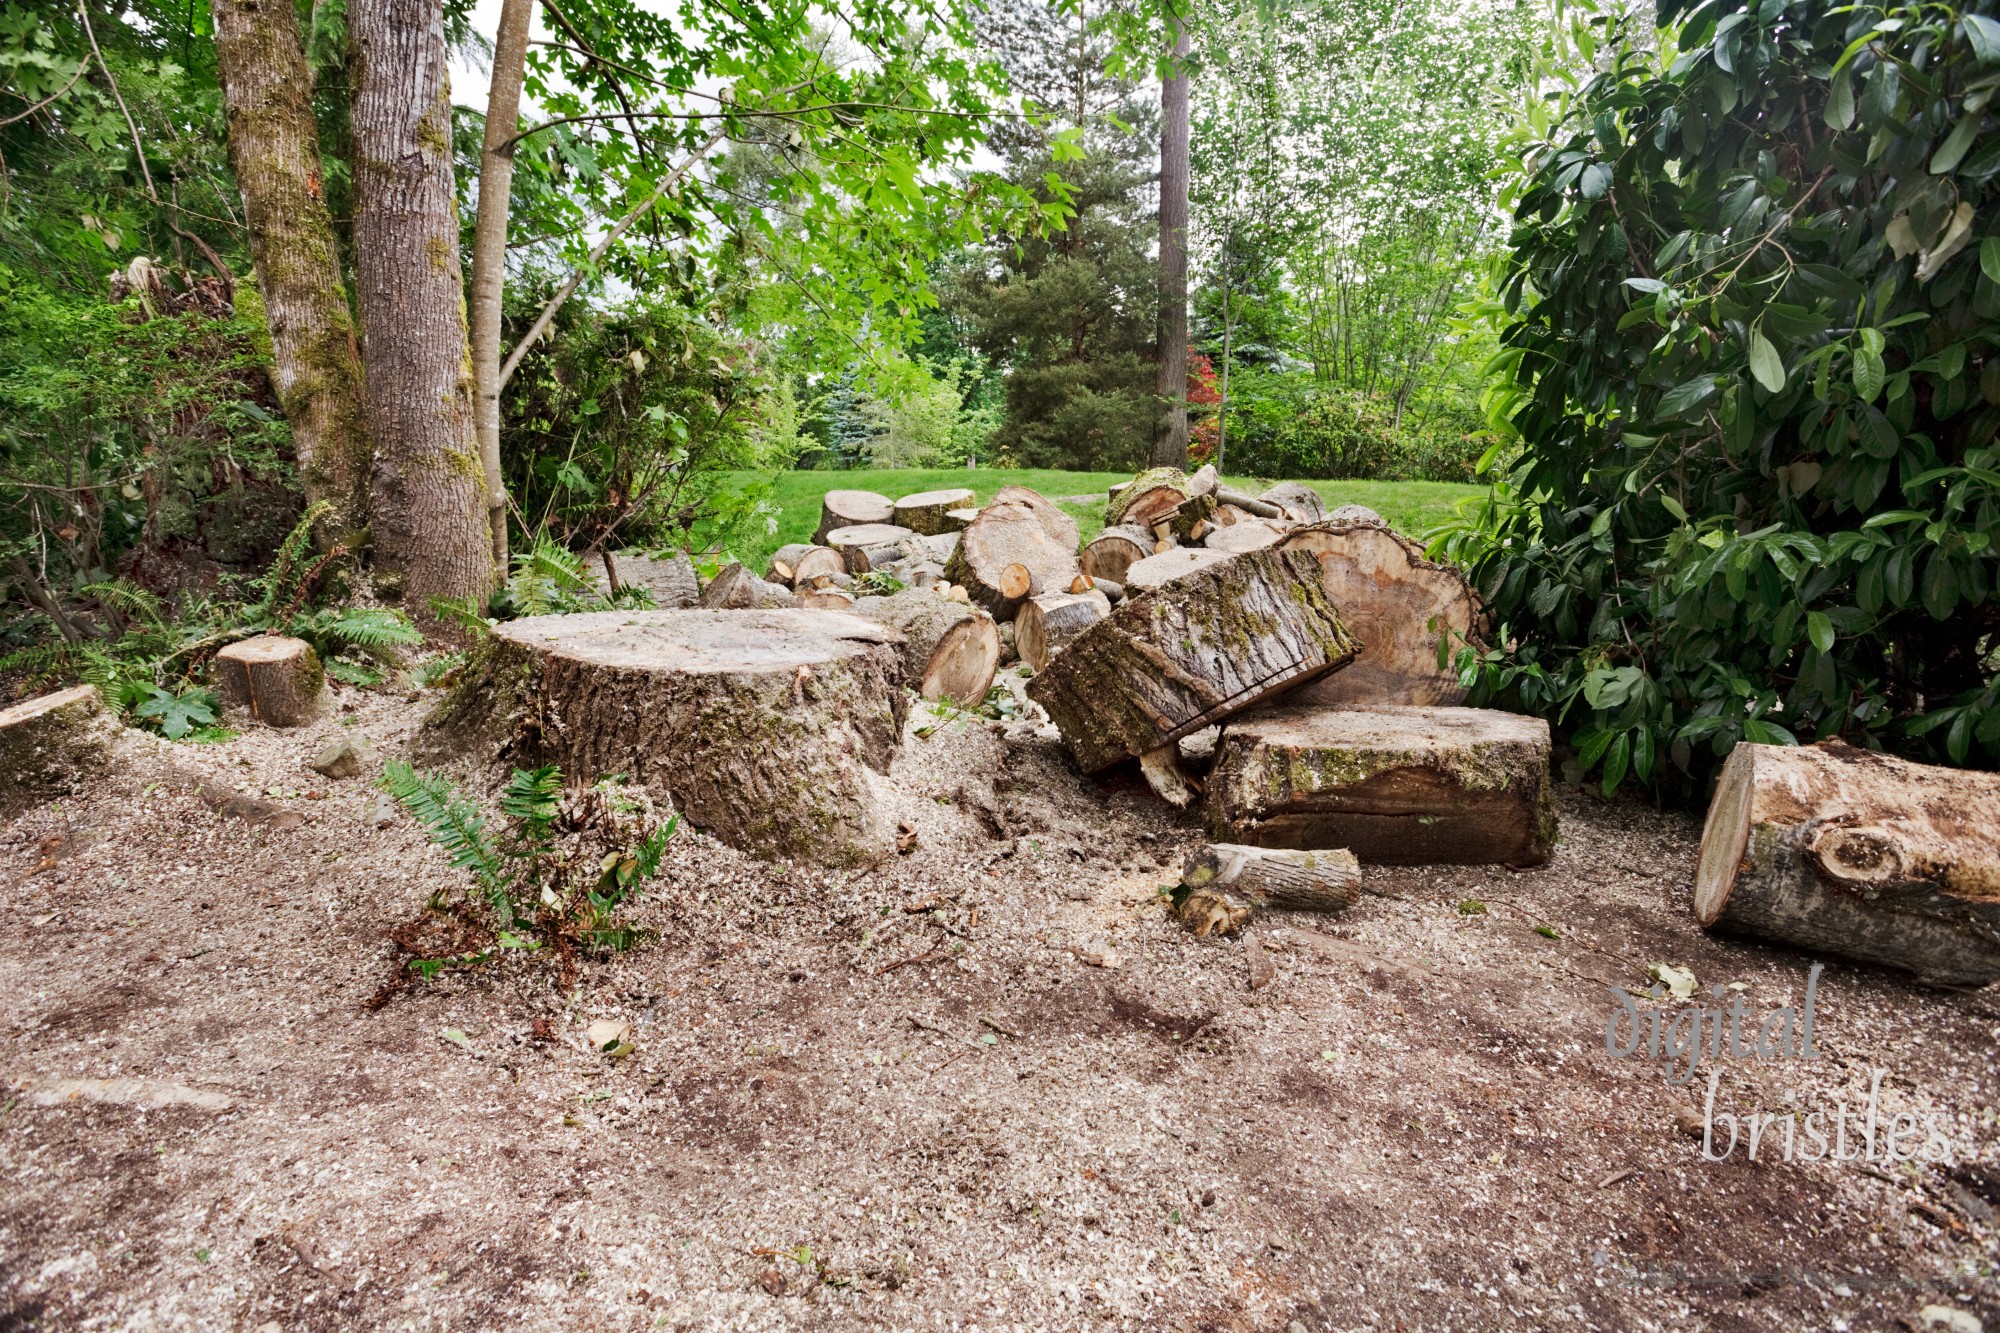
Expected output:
(1685, 1037)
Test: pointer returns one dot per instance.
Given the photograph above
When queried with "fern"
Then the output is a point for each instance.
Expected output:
(456, 826)
(532, 797)
(280, 581)
(464, 612)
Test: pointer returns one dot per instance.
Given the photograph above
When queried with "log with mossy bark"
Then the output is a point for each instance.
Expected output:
(847, 509)
(1395, 785)
(1149, 497)
(1171, 661)
(765, 728)
(950, 648)
(278, 679)
(1225, 885)
(1007, 555)
(927, 512)
(1845, 851)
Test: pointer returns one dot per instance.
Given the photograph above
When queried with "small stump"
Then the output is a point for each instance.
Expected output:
(52, 744)
(278, 679)
(844, 509)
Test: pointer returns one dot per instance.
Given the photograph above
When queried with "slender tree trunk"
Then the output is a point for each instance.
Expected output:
(489, 253)
(1222, 413)
(274, 148)
(1170, 436)
(429, 495)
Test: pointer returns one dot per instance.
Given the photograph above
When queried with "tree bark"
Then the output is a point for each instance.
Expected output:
(1170, 436)
(1059, 525)
(274, 151)
(52, 745)
(277, 678)
(950, 649)
(1849, 852)
(927, 511)
(1048, 623)
(1149, 497)
(1003, 543)
(866, 546)
(737, 589)
(1114, 551)
(429, 501)
(1226, 884)
(489, 254)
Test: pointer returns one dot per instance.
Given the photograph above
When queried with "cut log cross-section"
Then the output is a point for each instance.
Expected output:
(1046, 624)
(847, 509)
(1396, 786)
(1249, 534)
(761, 726)
(1204, 647)
(1005, 542)
(950, 650)
(1301, 503)
(1148, 498)
(1115, 550)
(278, 679)
(737, 589)
(1845, 851)
(816, 562)
(866, 546)
(1156, 571)
(1399, 606)
(784, 566)
(53, 744)
(927, 512)
(1061, 526)
(1224, 885)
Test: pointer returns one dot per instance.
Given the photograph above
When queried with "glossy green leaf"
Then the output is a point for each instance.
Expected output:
(1765, 363)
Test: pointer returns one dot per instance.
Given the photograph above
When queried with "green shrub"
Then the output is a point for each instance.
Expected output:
(1292, 425)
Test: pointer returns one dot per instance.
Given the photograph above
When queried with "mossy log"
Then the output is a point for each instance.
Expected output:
(926, 511)
(847, 509)
(1173, 660)
(1224, 885)
(278, 679)
(1395, 785)
(1301, 503)
(1060, 525)
(1046, 624)
(1246, 534)
(52, 745)
(868, 545)
(761, 726)
(735, 588)
(1844, 851)
(950, 649)
(1004, 540)
(1113, 551)
(1176, 562)
(1149, 497)
(1192, 521)
(1399, 605)
(784, 566)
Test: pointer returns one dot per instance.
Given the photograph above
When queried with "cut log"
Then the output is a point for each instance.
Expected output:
(1006, 535)
(1396, 786)
(1179, 657)
(1151, 496)
(1060, 525)
(278, 679)
(1176, 562)
(53, 745)
(737, 589)
(1399, 606)
(1115, 550)
(1246, 504)
(761, 726)
(925, 512)
(1355, 514)
(950, 649)
(1845, 851)
(1112, 589)
(867, 545)
(1204, 481)
(1046, 624)
(1224, 885)
(958, 520)
(671, 583)
(816, 561)
(1249, 534)
(824, 599)
(848, 509)
(1193, 519)
(1301, 503)
(784, 567)
(1162, 771)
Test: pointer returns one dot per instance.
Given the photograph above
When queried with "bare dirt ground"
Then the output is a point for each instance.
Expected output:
(991, 1084)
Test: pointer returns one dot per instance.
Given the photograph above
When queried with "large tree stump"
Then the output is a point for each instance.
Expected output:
(1399, 605)
(867, 545)
(1301, 503)
(52, 745)
(848, 509)
(1061, 526)
(1398, 786)
(1149, 497)
(1046, 624)
(1004, 540)
(1171, 661)
(926, 511)
(950, 649)
(1224, 885)
(737, 589)
(760, 725)
(277, 678)
(1156, 571)
(1845, 851)
(1113, 551)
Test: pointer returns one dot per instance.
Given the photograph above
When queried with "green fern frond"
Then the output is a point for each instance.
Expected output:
(455, 825)
(533, 796)
(41, 659)
(280, 580)
(127, 599)
(468, 613)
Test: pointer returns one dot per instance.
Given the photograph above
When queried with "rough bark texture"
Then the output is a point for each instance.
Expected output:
(1115, 550)
(737, 589)
(1149, 497)
(1173, 660)
(1176, 562)
(1227, 884)
(1301, 503)
(950, 649)
(278, 679)
(1045, 625)
(759, 725)
(847, 509)
(958, 520)
(1061, 526)
(1398, 786)
(274, 151)
(429, 491)
(1248, 534)
(864, 546)
(1002, 536)
(926, 511)
(1170, 436)
(1849, 852)
(1399, 606)
(52, 745)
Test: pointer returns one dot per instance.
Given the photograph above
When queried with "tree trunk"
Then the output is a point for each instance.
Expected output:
(1171, 661)
(1006, 542)
(430, 527)
(1845, 851)
(274, 151)
(847, 509)
(1048, 623)
(1228, 347)
(489, 254)
(950, 650)
(1170, 436)
(926, 512)
(1226, 884)
(761, 726)
(1397, 786)
(278, 679)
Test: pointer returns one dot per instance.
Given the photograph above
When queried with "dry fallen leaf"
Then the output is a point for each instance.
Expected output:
(1680, 982)
(610, 1037)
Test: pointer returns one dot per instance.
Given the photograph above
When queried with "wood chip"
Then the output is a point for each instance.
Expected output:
(1617, 1176)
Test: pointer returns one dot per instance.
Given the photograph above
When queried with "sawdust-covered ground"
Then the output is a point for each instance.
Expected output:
(989, 1084)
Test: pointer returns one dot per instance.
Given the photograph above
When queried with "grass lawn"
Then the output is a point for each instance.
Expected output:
(1413, 507)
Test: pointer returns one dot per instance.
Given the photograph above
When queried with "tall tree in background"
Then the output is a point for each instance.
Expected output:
(1170, 436)
(429, 496)
(274, 151)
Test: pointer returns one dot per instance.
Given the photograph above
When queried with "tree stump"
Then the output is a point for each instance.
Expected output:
(1172, 660)
(818, 562)
(1224, 885)
(1115, 550)
(1849, 852)
(1005, 540)
(1395, 785)
(1176, 562)
(1247, 534)
(760, 725)
(1046, 624)
(925, 512)
(784, 566)
(1399, 606)
(1149, 497)
(1060, 525)
(849, 509)
(950, 649)
(278, 679)
(52, 745)
(737, 589)
(1301, 503)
